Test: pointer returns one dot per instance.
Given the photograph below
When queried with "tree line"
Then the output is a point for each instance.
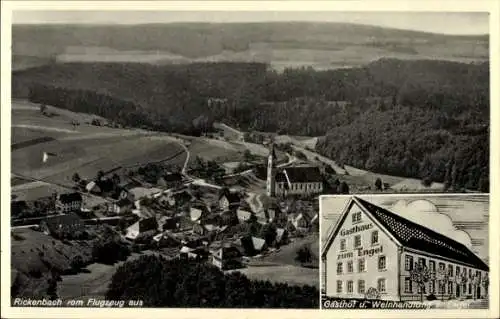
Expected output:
(409, 118)
(175, 283)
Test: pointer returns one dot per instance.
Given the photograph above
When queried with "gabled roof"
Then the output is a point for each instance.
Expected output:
(415, 236)
(124, 202)
(70, 197)
(303, 174)
(67, 219)
(232, 198)
(147, 224)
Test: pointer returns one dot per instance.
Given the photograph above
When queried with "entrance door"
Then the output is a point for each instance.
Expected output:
(478, 292)
(458, 291)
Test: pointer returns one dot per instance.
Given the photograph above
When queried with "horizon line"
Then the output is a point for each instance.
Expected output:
(125, 24)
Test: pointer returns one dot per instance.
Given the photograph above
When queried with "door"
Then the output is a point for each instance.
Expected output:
(458, 291)
(478, 292)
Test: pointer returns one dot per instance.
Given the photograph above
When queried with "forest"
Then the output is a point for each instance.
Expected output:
(174, 283)
(423, 118)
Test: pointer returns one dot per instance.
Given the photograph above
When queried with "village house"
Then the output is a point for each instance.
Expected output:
(168, 223)
(193, 253)
(243, 215)
(301, 221)
(252, 245)
(92, 188)
(63, 224)
(195, 214)
(281, 236)
(68, 202)
(141, 229)
(229, 201)
(165, 240)
(171, 180)
(373, 248)
(227, 257)
(122, 206)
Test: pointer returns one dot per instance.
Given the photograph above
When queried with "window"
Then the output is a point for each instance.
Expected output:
(339, 268)
(361, 265)
(470, 273)
(408, 285)
(442, 289)
(432, 287)
(441, 266)
(339, 286)
(450, 270)
(374, 237)
(357, 241)
(361, 286)
(421, 289)
(342, 244)
(350, 267)
(421, 262)
(381, 285)
(479, 275)
(350, 286)
(408, 262)
(457, 271)
(381, 263)
(432, 265)
(356, 217)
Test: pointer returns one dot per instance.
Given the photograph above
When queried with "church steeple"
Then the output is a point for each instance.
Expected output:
(271, 167)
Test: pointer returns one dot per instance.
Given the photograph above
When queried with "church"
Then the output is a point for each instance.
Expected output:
(373, 248)
(297, 180)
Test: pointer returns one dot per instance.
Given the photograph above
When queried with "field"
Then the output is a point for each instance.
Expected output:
(91, 283)
(296, 44)
(292, 275)
(33, 254)
(84, 149)
(281, 266)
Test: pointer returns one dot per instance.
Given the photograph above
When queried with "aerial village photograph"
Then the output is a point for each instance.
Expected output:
(424, 252)
(176, 158)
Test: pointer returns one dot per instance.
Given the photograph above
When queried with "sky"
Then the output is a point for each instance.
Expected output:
(462, 218)
(465, 23)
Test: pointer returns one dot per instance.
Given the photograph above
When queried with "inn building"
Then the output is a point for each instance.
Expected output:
(371, 247)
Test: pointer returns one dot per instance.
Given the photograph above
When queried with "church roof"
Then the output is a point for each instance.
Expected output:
(303, 174)
(412, 235)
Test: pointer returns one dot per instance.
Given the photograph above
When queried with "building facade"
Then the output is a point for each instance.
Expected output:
(70, 202)
(371, 247)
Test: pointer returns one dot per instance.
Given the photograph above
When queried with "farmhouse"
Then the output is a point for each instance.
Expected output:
(122, 206)
(373, 248)
(68, 202)
(298, 180)
(142, 228)
(57, 225)
(229, 201)
(227, 257)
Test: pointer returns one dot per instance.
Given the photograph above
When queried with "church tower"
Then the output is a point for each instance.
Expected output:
(270, 182)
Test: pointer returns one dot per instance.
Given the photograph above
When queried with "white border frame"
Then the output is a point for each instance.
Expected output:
(491, 6)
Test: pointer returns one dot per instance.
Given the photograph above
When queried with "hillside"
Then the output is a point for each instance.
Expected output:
(284, 44)
(423, 115)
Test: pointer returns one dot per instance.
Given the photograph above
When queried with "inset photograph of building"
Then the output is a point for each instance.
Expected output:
(404, 251)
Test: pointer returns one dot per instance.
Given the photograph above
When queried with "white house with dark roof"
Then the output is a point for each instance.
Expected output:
(371, 247)
(69, 202)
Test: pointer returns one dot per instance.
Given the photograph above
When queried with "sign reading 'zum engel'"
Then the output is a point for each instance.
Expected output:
(362, 252)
